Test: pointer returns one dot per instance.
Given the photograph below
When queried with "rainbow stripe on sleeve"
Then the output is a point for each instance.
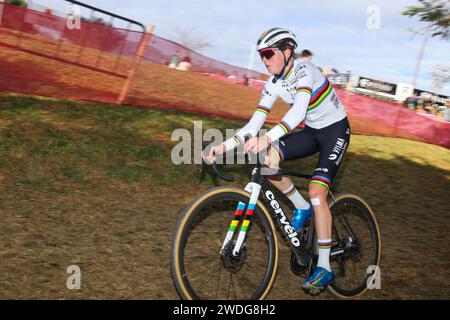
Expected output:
(263, 109)
(289, 73)
(319, 95)
(305, 89)
(285, 127)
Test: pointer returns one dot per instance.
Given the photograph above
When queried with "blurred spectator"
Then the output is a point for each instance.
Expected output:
(185, 64)
(435, 108)
(246, 80)
(411, 102)
(174, 60)
(348, 83)
(233, 75)
(446, 111)
(428, 105)
(419, 104)
(333, 70)
(306, 55)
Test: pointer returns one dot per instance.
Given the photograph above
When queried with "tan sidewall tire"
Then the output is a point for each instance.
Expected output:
(340, 197)
(176, 273)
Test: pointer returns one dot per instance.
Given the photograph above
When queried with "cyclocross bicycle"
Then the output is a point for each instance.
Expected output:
(225, 245)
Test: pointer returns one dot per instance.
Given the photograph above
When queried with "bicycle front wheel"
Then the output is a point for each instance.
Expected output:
(202, 269)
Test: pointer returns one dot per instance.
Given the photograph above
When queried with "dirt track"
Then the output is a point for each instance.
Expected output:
(122, 243)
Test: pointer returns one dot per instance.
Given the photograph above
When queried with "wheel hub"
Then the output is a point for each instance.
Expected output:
(230, 261)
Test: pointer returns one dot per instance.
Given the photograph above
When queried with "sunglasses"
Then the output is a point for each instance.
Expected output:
(267, 53)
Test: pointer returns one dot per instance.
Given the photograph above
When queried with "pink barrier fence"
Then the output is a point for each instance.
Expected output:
(395, 120)
(93, 61)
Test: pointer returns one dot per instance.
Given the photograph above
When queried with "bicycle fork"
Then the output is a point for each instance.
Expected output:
(254, 189)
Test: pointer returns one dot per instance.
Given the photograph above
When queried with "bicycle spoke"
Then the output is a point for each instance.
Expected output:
(228, 292)
(209, 276)
(218, 282)
(232, 284)
(244, 282)
(353, 219)
(204, 264)
(252, 271)
(201, 257)
(348, 225)
(355, 272)
(250, 265)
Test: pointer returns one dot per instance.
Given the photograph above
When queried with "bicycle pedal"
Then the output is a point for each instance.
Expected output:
(313, 290)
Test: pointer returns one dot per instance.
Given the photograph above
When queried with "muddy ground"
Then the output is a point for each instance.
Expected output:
(121, 242)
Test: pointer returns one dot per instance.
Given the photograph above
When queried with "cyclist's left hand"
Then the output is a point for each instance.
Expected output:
(257, 144)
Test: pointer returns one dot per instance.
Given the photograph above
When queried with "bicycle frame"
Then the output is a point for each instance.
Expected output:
(260, 186)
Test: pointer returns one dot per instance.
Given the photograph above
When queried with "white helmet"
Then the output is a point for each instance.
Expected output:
(277, 37)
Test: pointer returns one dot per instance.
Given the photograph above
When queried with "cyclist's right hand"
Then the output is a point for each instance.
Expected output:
(210, 152)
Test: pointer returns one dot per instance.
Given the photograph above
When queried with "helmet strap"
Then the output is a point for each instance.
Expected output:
(286, 62)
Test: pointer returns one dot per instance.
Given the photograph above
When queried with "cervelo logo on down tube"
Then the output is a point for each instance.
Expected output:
(287, 226)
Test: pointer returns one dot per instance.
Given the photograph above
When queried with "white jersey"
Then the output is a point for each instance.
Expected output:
(311, 96)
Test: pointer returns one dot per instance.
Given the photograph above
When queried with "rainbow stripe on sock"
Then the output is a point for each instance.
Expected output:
(290, 191)
(324, 245)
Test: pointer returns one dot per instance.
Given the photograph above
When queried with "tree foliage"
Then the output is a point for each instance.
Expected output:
(192, 39)
(436, 13)
(20, 3)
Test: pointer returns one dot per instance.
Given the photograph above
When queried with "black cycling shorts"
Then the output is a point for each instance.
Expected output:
(331, 142)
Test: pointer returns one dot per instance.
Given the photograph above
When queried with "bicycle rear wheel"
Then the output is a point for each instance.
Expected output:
(356, 230)
(201, 271)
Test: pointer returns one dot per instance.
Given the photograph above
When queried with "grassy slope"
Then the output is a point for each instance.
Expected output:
(93, 184)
